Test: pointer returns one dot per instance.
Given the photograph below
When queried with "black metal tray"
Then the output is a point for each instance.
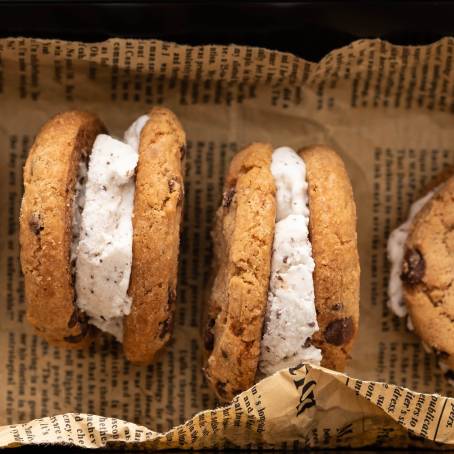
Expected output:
(307, 28)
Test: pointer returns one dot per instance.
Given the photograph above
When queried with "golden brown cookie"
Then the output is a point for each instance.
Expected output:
(428, 274)
(243, 239)
(46, 226)
(332, 227)
(156, 224)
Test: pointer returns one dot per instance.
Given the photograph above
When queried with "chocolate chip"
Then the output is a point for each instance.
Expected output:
(413, 267)
(224, 354)
(339, 331)
(307, 343)
(220, 388)
(337, 307)
(311, 324)
(35, 223)
(228, 197)
(285, 259)
(183, 151)
(208, 340)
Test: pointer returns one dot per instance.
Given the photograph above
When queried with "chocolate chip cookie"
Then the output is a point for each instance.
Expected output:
(428, 274)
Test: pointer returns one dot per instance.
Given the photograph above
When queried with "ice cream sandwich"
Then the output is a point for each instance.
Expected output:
(421, 254)
(286, 273)
(99, 231)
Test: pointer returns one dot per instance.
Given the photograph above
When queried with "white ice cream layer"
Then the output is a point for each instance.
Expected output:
(396, 252)
(291, 318)
(104, 253)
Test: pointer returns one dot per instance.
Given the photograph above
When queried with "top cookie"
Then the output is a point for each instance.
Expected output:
(156, 232)
(428, 272)
(332, 231)
(243, 239)
(46, 226)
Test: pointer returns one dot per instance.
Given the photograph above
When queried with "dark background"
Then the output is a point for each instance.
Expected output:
(307, 28)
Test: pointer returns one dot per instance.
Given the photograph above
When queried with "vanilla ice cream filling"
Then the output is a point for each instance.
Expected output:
(102, 229)
(396, 252)
(291, 319)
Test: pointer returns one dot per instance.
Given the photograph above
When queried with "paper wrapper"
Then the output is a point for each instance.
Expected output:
(388, 111)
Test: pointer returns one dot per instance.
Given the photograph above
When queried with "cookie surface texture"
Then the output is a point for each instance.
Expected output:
(243, 239)
(428, 274)
(156, 221)
(50, 176)
(332, 231)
